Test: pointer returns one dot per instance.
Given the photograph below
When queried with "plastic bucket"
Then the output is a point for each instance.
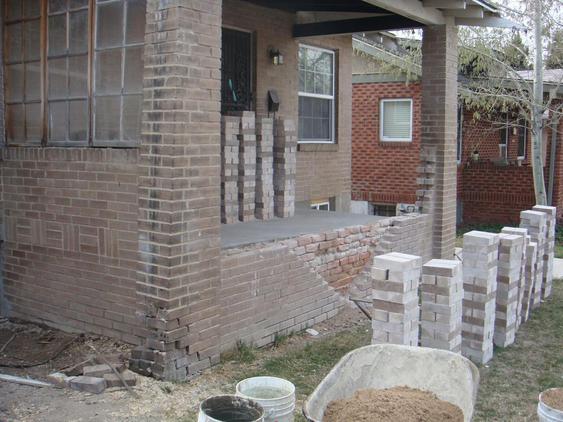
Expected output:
(230, 409)
(275, 395)
(547, 413)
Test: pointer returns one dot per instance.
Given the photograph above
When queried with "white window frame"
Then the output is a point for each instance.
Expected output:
(525, 128)
(317, 205)
(332, 97)
(382, 120)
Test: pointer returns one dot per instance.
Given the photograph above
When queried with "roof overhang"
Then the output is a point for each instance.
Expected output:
(336, 17)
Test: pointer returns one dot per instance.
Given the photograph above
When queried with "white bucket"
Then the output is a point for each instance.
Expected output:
(230, 409)
(275, 395)
(547, 413)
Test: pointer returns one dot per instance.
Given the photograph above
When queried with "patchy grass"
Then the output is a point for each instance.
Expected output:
(559, 242)
(510, 384)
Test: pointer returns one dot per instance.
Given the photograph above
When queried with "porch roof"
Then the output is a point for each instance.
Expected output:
(305, 221)
(330, 17)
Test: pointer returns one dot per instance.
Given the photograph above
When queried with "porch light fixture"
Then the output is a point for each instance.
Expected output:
(276, 56)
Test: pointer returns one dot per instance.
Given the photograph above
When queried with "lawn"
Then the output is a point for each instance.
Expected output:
(510, 383)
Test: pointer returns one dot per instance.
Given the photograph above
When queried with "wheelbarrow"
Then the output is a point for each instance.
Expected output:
(450, 376)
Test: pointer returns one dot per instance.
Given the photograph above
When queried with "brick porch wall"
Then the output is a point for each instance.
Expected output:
(71, 238)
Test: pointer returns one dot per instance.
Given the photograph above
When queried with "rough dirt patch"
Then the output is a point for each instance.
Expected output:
(398, 404)
(553, 398)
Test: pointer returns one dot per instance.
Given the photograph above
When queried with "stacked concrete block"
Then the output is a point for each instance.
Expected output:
(395, 298)
(549, 248)
(530, 275)
(230, 127)
(442, 297)
(264, 168)
(247, 166)
(285, 167)
(480, 260)
(523, 233)
(508, 277)
(536, 223)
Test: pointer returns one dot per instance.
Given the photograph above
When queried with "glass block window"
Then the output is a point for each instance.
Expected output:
(65, 61)
(316, 94)
(396, 120)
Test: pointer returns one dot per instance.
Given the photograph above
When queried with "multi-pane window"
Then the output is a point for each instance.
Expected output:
(321, 206)
(395, 120)
(74, 73)
(23, 71)
(316, 94)
(522, 138)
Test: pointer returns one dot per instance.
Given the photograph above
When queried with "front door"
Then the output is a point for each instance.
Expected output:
(236, 71)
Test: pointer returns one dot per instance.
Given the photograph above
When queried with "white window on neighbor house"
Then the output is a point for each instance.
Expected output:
(395, 120)
(459, 150)
(321, 206)
(522, 138)
(316, 95)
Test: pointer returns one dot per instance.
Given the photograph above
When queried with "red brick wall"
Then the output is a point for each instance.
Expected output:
(496, 194)
(383, 172)
(71, 238)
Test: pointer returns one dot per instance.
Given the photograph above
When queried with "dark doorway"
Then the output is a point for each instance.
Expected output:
(236, 71)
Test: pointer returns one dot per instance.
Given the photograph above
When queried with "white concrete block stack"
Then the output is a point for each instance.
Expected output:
(247, 166)
(523, 233)
(264, 168)
(480, 260)
(536, 223)
(531, 256)
(396, 313)
(549, 248)
(230, 127)
(442, 296)
(508, 277)
(285, 167)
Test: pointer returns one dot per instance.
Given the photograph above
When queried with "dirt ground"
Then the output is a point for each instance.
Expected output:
(158, 401)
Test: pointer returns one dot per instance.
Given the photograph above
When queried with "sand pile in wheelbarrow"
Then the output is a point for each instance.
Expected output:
(398, 404)
(553, 398)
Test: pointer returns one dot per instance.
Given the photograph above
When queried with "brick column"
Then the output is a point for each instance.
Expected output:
(549, 248)
(439, 119)
(523, 233)
(536, 223)
(179, 188)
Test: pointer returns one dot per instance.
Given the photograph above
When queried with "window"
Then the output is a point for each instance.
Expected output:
(522, 138)
(503, 144)
(72, 89)
(321, 206)
(316, 95)
(385, 210)
(396, 120)
(459, 146)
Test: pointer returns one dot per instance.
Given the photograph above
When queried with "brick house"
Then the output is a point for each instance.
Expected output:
(131, 128)
(493, 189)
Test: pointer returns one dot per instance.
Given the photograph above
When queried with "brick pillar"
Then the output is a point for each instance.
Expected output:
(536, 223)
(247, 166)
(523, 233)
(439, 119)
(395, 298)
(549, 248)
(230, 128)
(179, 188)
(442, 297)
(285, 165)
(508, 279)
(480, 264)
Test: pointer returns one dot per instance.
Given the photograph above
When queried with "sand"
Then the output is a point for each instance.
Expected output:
(553, 398)
(398, 404)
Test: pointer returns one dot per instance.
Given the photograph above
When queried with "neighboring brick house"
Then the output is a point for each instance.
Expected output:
(133, 127)
(385, 173)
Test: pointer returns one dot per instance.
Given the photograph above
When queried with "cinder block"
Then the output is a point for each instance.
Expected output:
(113, 380)
(88, 384)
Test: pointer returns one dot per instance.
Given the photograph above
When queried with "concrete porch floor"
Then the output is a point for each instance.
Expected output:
(305, 221)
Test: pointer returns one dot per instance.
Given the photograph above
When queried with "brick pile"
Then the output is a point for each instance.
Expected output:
(531, 257)
(247, 166)
(523, 233)
(442, 297)
(230, 127)
(480, 258)
(285, 162)
(264, 168)
(395, 311)
(549, 248)
(508, 278)
(536, 223)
